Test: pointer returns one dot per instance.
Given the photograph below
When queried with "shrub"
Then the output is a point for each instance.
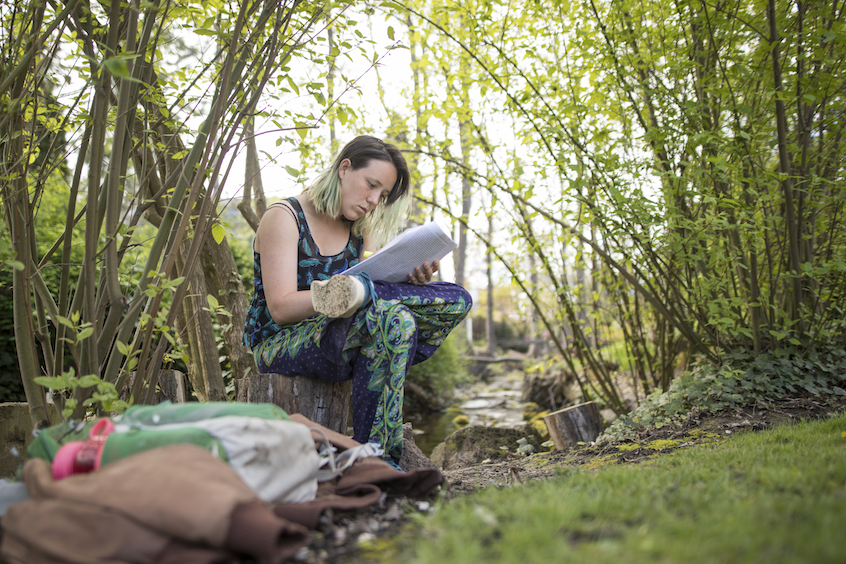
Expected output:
(444, 371)
(741, 379)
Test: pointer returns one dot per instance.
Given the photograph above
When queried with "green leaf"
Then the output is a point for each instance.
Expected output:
(85, 333)
(390, 33)
(52, 383)
(218, 233)
(117, 67)
(212, 301)
(122, 348)
(293, 85)
(70, 405)
(89, 380)
(292, 171)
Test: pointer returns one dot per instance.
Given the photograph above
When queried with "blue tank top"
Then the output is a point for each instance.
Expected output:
(311, 266)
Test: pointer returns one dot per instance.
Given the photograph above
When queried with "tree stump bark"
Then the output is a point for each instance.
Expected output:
(326, 403)
(578, 423)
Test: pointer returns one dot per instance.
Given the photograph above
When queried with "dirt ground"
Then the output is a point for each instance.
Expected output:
(654, 442)
(370, 535)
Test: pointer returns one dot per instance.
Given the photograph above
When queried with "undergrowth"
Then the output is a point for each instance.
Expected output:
(741, 379)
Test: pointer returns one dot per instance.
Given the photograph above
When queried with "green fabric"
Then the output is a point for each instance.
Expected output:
(49, 440)
(166, 412)
(47, 443)
(121, 445)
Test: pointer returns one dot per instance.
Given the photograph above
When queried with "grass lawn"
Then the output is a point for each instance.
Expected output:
(769, 497)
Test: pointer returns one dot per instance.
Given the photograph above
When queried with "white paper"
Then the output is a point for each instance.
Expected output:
(407, 251)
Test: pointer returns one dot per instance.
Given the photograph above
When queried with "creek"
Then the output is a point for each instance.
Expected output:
(494, 403)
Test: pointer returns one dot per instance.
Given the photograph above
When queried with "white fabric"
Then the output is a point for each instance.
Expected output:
(337, 464)
(276, 458)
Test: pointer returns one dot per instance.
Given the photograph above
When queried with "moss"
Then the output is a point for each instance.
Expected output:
(380, 550)
(540, 427)
(461, 420)
(600, 462)
(627, 447)
(663, 443)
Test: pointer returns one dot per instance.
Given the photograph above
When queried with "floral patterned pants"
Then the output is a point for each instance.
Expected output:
(401, 325)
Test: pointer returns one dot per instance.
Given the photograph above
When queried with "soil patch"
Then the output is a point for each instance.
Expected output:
(374, 535)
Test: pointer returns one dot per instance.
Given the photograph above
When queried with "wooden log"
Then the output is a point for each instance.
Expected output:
(575, 424)
(326, 403)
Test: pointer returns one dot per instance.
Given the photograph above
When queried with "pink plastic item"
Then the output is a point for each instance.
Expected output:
(80, 457)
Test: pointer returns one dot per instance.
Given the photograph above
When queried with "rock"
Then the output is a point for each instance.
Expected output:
(412, 457)
(608, 415)
(474, 444)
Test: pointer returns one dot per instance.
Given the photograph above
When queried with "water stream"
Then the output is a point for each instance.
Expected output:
(494, 403)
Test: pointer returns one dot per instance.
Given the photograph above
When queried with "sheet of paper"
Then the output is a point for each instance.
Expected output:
(407, 251)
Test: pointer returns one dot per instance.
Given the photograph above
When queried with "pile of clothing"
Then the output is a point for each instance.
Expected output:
(161, 494)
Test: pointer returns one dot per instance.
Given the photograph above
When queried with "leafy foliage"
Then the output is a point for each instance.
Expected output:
(671, 171)
(156, 97)
(11, 387)
(444, 370)
(742, 379)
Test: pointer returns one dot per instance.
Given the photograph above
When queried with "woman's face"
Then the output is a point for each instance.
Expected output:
(364, 188)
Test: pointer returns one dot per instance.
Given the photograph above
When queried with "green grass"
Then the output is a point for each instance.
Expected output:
(769, 497)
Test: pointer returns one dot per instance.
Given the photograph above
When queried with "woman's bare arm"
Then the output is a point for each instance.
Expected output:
(276, 242)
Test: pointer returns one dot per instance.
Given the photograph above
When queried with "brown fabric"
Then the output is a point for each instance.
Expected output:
(180, 504)
(359, 486)
(56, 531)
(416, 483)
(166, 505)
(180, 553)
(257, 531)
(337, 439)
(308, 514)
(181, 490)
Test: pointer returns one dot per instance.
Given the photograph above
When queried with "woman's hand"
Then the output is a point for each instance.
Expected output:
(423, 274)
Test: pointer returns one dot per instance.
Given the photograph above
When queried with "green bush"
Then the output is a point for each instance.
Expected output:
(445, 370)
(740, 379)
(11, 387)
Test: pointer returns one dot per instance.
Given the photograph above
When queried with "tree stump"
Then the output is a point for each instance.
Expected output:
(326, 403)
(578, 423)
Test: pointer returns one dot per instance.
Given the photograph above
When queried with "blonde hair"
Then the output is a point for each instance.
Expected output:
(384, 221)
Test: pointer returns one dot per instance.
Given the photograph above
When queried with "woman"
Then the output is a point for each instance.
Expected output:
(307, 319)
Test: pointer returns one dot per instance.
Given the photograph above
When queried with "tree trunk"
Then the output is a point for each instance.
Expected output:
(224, 282)
(326, 403)
(490, 333)
(579, 423)
(195, 322)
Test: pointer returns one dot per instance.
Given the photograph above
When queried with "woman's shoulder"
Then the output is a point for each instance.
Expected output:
(281, 219)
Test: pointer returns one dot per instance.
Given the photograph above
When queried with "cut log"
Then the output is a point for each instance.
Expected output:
(578, 423)
(326, 403)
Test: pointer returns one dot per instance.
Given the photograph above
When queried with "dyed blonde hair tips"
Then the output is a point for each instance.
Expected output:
(383, 222)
